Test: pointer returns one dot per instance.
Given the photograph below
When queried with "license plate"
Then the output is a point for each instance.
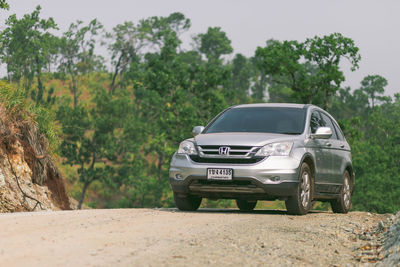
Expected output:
(219, 174)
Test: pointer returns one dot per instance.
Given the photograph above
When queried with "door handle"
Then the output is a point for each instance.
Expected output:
(328, 144)
(341, 146)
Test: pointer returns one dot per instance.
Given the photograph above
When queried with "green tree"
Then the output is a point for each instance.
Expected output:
(164, 84)
(259, 79)
(212, 78)
(92, 137)
(26, 47)
(77, 55)
(311, 69)
(126, 42)
(326, 53)
(162, 30)
(4, 4)
(214, 43)
(347, 104)
(280, 64)
(374, 87)
(242, 72)
(376, 154)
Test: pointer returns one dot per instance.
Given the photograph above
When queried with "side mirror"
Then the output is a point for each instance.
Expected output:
(197, 130)
(322, 133)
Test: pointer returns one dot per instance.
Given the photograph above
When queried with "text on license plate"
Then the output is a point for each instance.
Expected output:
(221, 174)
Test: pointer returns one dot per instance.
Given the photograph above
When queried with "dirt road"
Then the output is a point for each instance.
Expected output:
(167, 237)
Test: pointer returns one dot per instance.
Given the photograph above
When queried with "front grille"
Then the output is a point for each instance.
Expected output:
(236, 151)
(253, 160)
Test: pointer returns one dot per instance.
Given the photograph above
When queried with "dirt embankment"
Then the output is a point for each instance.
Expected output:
(167, 237)
(29, 180)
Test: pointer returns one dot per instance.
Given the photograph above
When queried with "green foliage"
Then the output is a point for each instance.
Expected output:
(310, 69)
(127, 40)
(373, 134)
(4, 5)
(92, 137)
(214, 43)
(376, 155)
(372, 86)
(26, 47)
(20, 109)
(242, 72)
(76, 50)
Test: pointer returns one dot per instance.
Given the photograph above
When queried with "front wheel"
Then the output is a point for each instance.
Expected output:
(300, 203)
(187, 203)
(343, 203)
(245, 205)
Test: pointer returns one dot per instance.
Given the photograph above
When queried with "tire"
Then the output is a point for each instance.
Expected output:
(300, 203)
(245, 205)
(187, 203)
(343, 203)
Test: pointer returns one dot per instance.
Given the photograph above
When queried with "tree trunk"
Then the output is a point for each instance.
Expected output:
(115, 74)
(74, 91)
(40, 91)
(160, 164)
(326, 104)
(85, 187)
(39, 94)
(326, 100)
(158, 191)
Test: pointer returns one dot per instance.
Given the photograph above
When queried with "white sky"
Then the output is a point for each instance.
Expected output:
(373, 25)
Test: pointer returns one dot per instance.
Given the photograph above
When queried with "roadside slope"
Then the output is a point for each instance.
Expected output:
(168, 237)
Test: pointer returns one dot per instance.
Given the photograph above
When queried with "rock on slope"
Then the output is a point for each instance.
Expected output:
(391, 246)
(29, 180)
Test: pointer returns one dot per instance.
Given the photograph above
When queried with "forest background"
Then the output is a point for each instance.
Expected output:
(113, 125)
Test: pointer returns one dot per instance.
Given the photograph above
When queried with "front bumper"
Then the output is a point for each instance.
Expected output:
(271, 178)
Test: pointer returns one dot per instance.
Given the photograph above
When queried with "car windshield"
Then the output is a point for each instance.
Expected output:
(260, 120)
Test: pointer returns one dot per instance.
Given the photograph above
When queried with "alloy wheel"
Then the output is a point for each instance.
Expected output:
(346, 192)
(305, 189)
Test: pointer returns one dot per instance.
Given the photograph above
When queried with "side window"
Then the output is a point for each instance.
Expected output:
(328, 123)
(315, 121)
(339, 132)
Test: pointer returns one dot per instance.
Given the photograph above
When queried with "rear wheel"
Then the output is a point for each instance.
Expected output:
(245, 205)
(300, 203)
(343, 204)
(187, 203)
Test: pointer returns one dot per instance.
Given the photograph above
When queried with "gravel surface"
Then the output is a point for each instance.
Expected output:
(168, 237)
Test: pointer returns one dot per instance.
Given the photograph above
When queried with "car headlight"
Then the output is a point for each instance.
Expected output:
(275, 149)
(187, 147)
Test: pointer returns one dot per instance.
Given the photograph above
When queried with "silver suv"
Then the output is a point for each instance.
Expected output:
(290, 152)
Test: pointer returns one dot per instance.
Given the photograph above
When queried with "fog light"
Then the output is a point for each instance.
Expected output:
(179, 176)
(275, 178)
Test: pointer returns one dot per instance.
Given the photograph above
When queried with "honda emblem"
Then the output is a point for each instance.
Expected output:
(224, 150)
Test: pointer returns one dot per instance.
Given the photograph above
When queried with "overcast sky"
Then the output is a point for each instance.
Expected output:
(373, 25)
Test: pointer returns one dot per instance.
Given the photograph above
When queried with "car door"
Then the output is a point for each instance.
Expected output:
(343, 154)
(322, 155)
(334, 148)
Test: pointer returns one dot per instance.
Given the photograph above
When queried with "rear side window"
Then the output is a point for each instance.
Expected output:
(328, 123)
(339, 132)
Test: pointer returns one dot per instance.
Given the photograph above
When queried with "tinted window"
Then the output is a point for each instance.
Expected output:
(328, 123)
(260, 119)
(338, 131)
(315, 121)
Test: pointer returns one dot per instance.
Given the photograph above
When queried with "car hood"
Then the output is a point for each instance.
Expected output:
(241, 139)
